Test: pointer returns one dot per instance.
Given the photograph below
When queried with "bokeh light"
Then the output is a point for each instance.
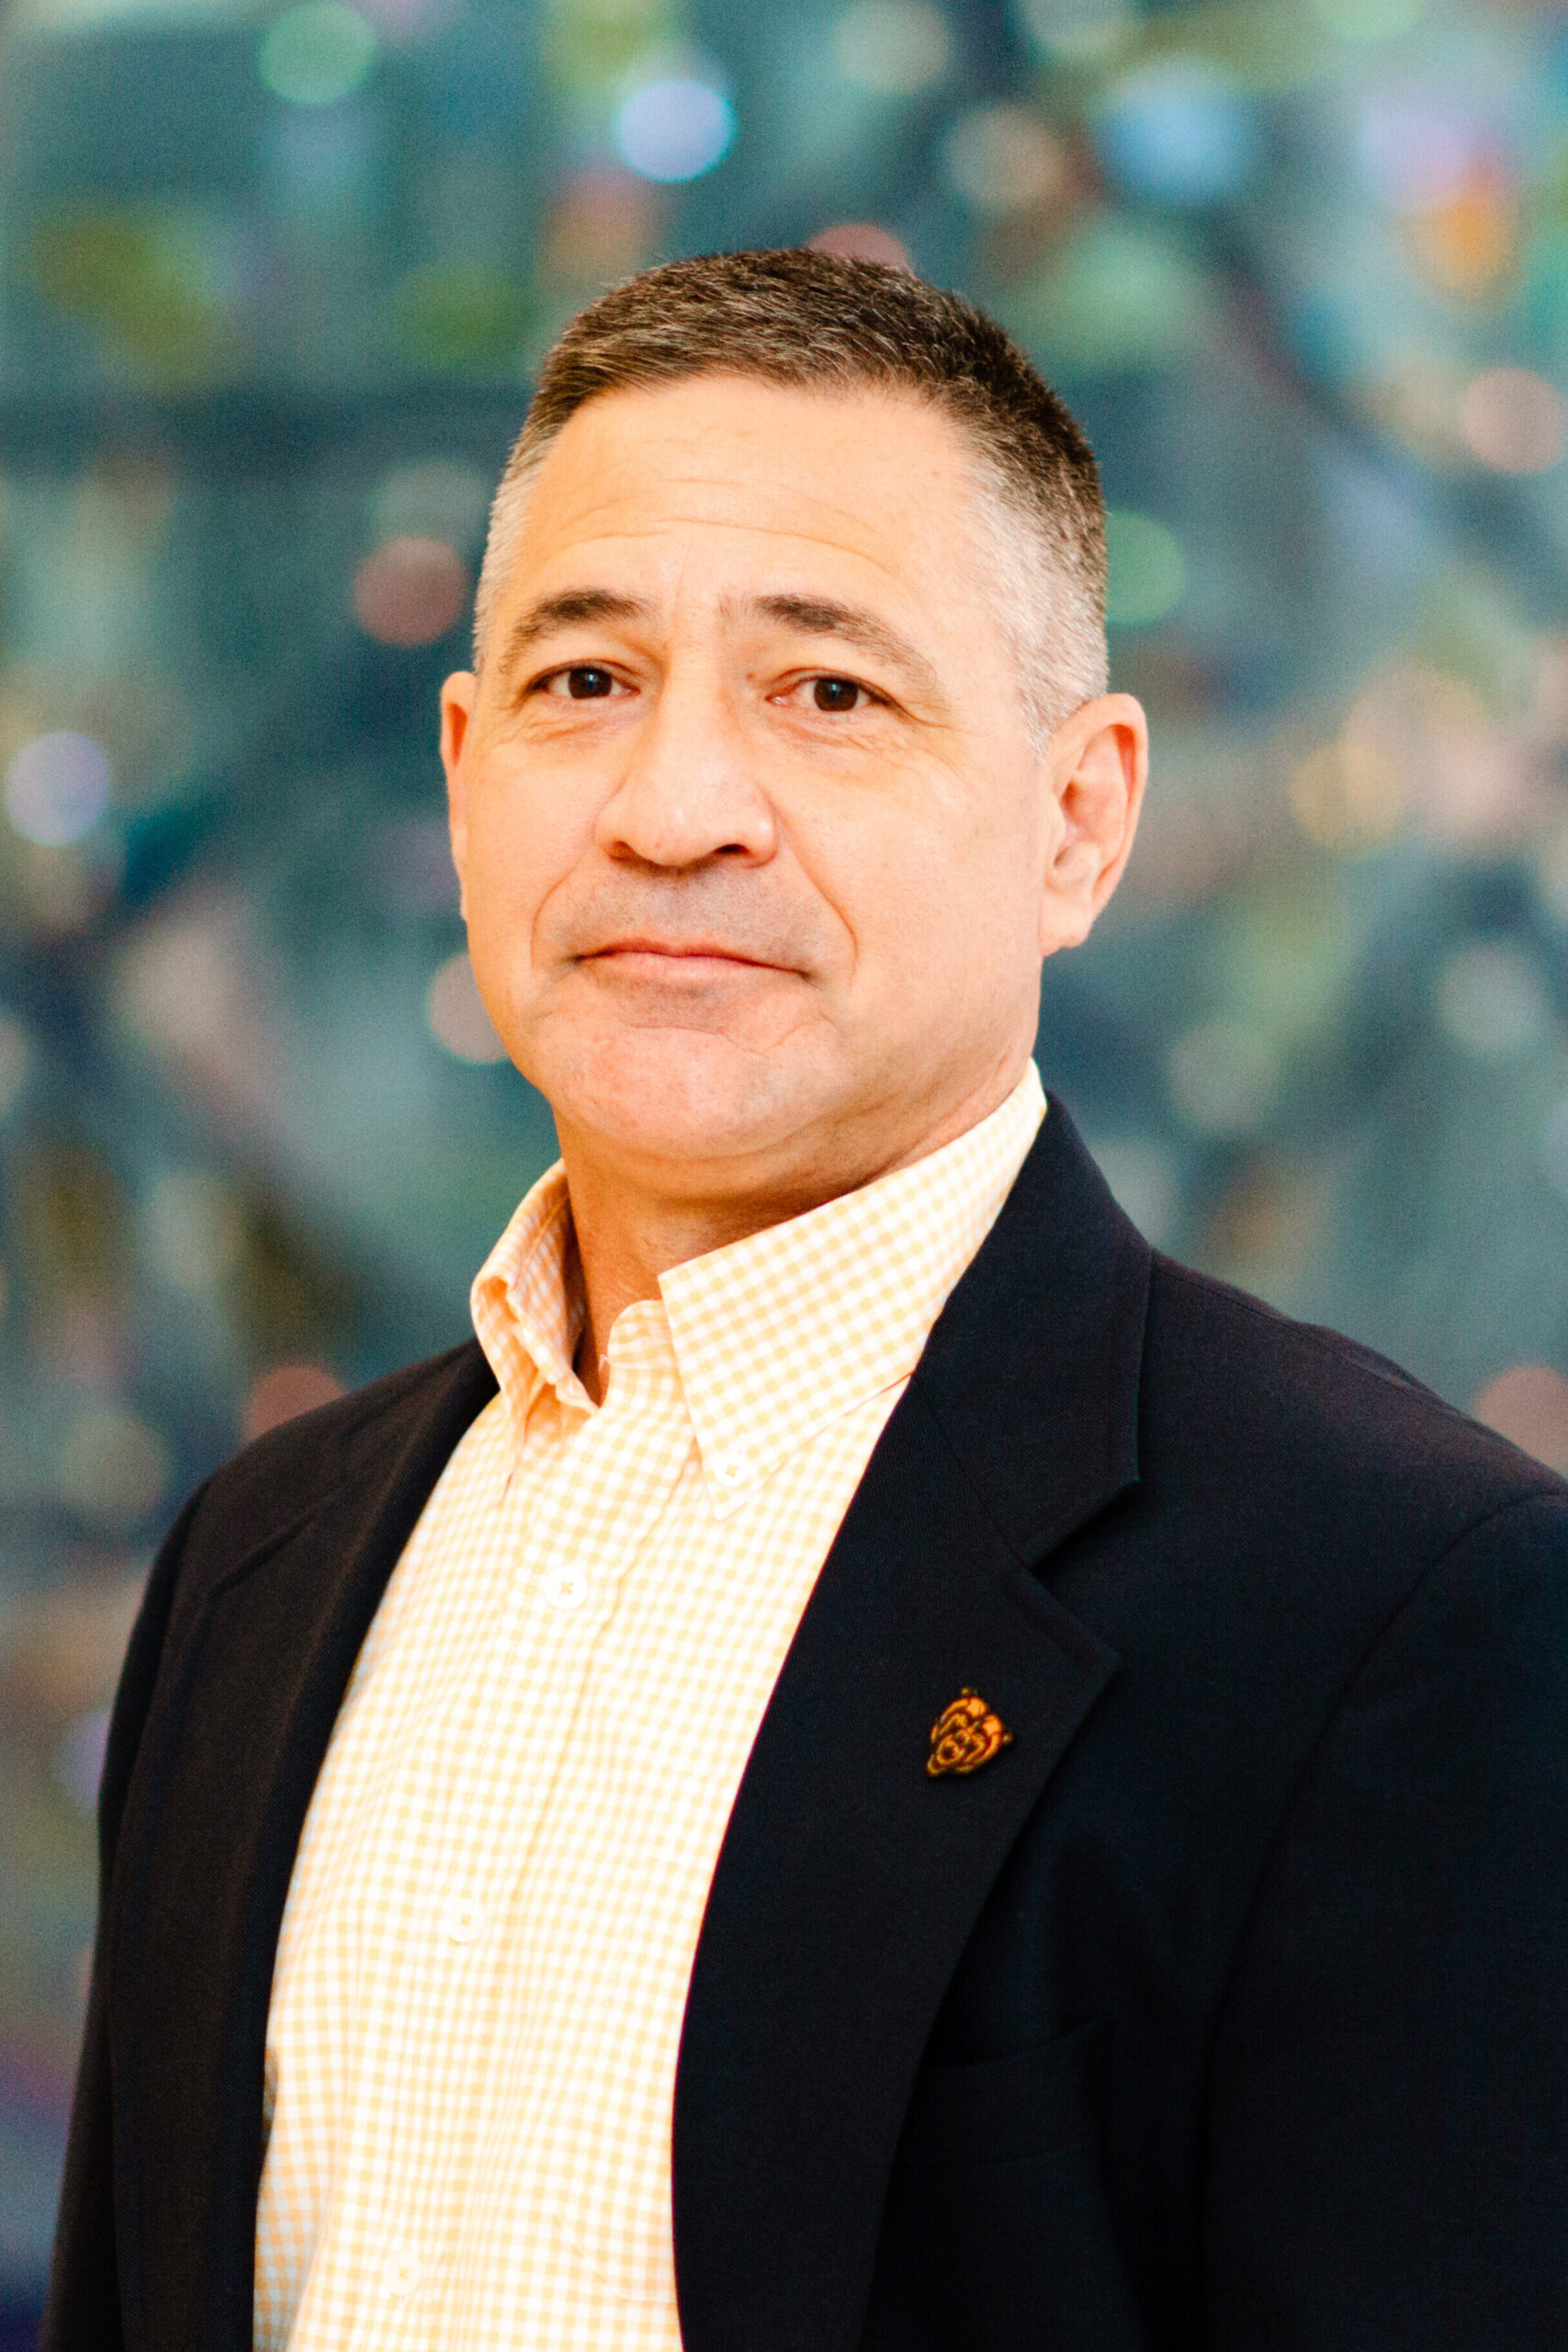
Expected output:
(1514, 420)
(285, 1392)
(1179, 132)
(1347, 798)
(1148, 571)
(1429, 733)
(457, 1015)
(1001, 159)
(1492, 999)
(432, 498)
(316, 54)
(1080, 31)
(1112, 297)
(193, 1230)
(897, 48)
(1468, 244)
(862, 241)
(600, 226)
(411, 590)
(460, 316)
(674, 129)
(56, 788)
(112, 1467)
(1414, 151)
(1528, 1405)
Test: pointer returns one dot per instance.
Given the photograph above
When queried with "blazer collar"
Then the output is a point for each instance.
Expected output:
(850, 1881)
(1034, 1369)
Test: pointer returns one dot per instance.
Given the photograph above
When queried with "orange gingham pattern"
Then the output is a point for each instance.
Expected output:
(484, 1961)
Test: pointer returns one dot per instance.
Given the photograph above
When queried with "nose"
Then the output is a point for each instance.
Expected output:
(686, 797)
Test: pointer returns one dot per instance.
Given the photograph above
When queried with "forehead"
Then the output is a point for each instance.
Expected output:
(723, 480)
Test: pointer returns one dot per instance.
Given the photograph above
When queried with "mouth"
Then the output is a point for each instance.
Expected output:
(670, 959)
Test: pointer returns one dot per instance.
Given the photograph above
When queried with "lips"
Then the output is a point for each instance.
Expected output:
(690, 953)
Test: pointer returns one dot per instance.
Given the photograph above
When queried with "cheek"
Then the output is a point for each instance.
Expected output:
(522, 841)
(898, 888)
(924, 894)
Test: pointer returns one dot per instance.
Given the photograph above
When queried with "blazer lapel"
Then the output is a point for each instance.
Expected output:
(850, 1879)
(228, 1763)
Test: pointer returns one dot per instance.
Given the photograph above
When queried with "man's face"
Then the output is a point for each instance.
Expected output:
(759, 858)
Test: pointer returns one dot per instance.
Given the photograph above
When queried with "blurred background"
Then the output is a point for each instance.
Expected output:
(272, 286)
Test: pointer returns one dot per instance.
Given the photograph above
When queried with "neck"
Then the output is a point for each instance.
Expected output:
(625, 1240)
(628, 1230)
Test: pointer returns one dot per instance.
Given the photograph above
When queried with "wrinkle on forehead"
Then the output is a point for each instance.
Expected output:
(654, 465)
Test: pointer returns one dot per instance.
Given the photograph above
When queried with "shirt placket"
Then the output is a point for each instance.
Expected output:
(578, 1531)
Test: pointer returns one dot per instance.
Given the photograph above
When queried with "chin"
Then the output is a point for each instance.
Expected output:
(681, 1095)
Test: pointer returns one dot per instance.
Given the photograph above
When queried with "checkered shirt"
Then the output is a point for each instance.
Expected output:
(484, 1961)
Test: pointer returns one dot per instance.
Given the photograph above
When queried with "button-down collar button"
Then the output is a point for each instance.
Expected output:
(401, 2273)
(462, 1920)
(731, 1467)
(566, 1588)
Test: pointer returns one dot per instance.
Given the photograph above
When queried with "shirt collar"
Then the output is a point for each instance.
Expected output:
(527, 1306)
(776, 1335)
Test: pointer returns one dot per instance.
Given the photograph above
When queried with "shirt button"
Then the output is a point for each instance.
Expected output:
(401, 2273)
(566, 1587)
(462, 1919)
(730, 1468)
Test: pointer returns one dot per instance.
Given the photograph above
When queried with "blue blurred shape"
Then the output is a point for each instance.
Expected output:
(57, 787)
(674, 129)
(1415, 149)
(1179, 132)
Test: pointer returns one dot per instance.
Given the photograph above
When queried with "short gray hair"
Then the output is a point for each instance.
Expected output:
(820, 320)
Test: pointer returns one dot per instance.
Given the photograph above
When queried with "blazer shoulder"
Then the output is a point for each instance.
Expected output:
(281, 1478)
(1305, 1407)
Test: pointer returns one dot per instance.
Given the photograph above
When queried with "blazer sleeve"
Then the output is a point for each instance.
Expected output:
(1389, 2091)
(83, 2313)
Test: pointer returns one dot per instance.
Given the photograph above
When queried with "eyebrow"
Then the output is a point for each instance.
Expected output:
(572, 608)
(825, 617)
(815, 615)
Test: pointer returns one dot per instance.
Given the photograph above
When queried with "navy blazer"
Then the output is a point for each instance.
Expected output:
(1225, 2011)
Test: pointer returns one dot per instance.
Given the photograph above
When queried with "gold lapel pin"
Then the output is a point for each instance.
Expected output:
(966, 1736)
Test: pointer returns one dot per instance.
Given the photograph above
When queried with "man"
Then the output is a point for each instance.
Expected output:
(874, 1764)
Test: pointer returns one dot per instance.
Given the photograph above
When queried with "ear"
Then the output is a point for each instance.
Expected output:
(457, 714)
(1094, 771)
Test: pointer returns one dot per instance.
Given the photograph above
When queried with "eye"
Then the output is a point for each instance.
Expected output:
(836, 694)
(584, 682)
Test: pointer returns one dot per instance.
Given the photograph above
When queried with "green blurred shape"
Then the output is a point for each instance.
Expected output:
(317, 53)
(591, 46)
(1268, 44)
(1148, 571)
(140, 275)
(459, 315)
(1114, 296)
(1370, 19)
